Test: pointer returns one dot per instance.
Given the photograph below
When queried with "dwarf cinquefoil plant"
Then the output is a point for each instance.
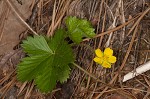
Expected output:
(48, 59)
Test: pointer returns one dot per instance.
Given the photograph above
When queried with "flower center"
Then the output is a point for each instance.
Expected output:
(105, 57)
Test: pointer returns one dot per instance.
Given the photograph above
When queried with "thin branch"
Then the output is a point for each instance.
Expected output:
(141, 69)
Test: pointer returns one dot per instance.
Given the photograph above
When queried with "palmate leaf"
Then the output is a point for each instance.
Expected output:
(35, 46)
(78, 28)
(47, 62)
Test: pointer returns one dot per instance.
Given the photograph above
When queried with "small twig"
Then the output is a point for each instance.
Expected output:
(107, 44)
(141, 69)
(139, 19)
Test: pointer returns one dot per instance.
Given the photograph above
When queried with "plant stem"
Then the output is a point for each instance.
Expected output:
(91, 75)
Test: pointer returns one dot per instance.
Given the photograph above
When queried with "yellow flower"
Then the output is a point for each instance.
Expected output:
(105, 58)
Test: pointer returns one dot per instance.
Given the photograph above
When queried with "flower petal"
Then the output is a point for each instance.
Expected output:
(98, 60)
(108, 52)
(99, 53)
(106, 64)
(112, 59)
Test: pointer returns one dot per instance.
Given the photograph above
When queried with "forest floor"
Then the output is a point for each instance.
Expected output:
(123, 25)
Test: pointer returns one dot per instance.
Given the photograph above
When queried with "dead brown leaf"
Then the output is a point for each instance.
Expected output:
(10, 25)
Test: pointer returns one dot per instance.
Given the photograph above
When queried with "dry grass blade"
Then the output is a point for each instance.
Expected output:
(59, 19)
(6, 88)
(6, 77)
(148, 83)
(22, 87)
(103, 27)
(29, 90)
(51, 29)
(139, 19)
(112, 90)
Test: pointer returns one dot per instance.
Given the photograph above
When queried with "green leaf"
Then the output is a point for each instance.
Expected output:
(47, 80)
(78, 28)
(63, 75)
(36, 45)
(30, 67)
(47, 62)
